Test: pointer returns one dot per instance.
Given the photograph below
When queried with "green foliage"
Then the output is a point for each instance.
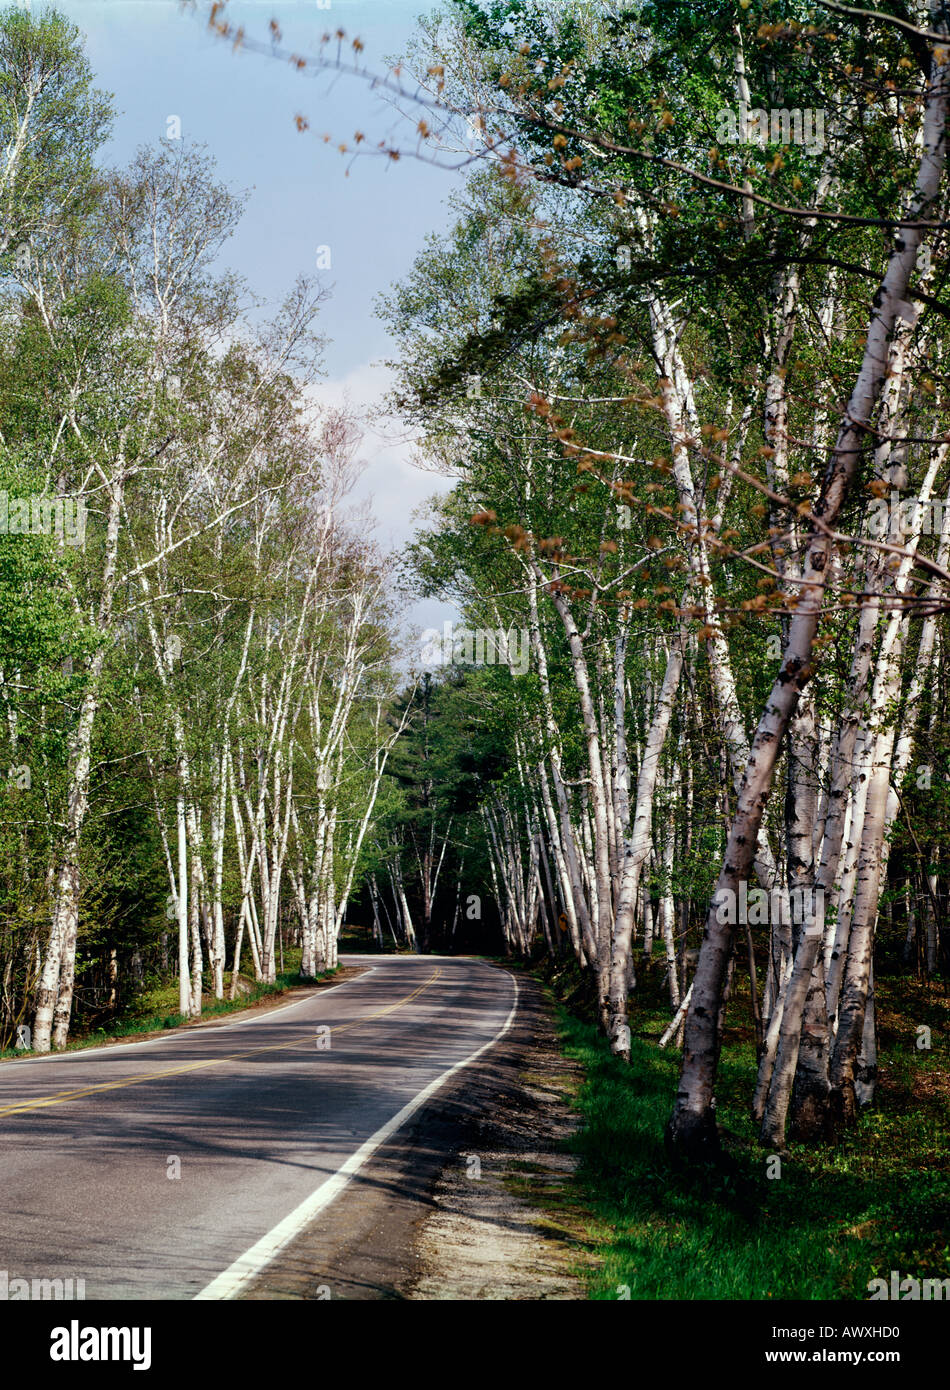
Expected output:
(836, 1217)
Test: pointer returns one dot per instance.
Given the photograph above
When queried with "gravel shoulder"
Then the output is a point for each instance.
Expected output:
(503, 1224)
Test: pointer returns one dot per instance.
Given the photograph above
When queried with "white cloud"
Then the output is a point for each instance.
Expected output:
(390, 479)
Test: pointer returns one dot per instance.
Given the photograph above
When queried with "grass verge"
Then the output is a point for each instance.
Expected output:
(831, 1216)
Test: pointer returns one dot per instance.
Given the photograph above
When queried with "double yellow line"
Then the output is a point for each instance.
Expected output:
(63, 1097)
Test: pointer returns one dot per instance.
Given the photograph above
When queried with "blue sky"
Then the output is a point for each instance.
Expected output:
(160, 62)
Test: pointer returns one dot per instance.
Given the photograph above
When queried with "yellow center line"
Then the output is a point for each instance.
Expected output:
(63, 1097)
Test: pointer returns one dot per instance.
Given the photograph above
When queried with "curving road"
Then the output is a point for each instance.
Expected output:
(182, 1167)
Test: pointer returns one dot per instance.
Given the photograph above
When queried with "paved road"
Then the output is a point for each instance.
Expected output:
(259, 1115)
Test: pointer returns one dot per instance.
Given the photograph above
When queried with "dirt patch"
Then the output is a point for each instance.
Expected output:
(504, 1222)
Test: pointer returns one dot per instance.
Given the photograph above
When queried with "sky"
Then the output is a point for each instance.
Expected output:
(369, 217)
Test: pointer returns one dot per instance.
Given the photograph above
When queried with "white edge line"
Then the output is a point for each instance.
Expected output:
(248, 1266)
(177, 1034)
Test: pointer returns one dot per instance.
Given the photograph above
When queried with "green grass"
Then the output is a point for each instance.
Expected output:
(838, 1215)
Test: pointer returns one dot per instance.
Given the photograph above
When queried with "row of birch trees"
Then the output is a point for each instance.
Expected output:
(688, 374)
(196, 634)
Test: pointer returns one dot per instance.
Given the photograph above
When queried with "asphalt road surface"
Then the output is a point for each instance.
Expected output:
(182, 1167)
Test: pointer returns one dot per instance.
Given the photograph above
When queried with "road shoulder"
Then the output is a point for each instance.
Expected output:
(505, 1221)
(422, 1221)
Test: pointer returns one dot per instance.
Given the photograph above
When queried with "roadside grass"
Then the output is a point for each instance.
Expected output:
(157, 1009)
(835, 1216)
